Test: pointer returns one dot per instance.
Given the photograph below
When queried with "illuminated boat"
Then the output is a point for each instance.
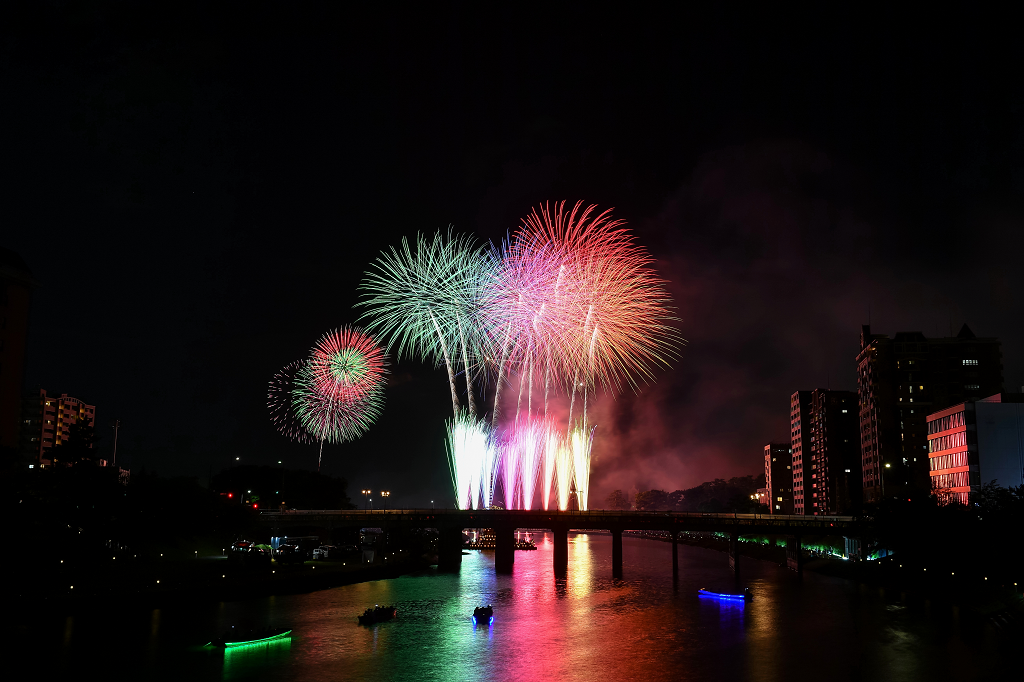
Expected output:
(483, 614)
(237, 638)
(378, 614)
(746, 596)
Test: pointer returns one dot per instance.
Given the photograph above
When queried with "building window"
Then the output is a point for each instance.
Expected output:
(970, 362)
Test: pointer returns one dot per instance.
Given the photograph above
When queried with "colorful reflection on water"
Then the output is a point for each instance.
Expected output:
(586, 626)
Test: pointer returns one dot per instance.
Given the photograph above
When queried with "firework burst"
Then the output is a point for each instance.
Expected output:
(335, 395)
(347, 365)
(568, 304)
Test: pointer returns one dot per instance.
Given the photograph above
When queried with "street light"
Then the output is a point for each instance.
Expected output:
(385, 494)
(365, 498)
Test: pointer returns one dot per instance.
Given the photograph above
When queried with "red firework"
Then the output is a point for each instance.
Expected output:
(347, 365)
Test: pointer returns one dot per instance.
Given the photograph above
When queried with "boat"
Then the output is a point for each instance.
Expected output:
(378, 614)
(745, 596)
(483, 614)
(236, 638)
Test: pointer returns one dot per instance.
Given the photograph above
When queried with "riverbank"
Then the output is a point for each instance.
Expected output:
(971, 595)
(205, 579)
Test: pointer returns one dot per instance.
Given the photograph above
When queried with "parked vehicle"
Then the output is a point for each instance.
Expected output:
(288, 553)
(324, 551)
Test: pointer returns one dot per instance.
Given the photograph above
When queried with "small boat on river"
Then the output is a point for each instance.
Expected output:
(238, 637)
(483, 615)
(745, 596)
(378, 614)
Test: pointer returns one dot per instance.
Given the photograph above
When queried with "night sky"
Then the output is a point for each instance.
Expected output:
(199, 194)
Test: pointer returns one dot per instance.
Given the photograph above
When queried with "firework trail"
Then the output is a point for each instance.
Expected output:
(426, 303)
(580, 442)
(471, 462)
(550, 457)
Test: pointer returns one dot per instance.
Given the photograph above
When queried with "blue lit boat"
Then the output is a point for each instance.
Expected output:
(483, 614)
(233, 640)
(746, 596)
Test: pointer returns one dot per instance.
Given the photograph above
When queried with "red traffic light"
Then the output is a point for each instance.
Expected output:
(231, 494)
(254, 506)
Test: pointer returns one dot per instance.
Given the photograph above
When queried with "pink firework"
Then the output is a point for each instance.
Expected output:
(607, 312)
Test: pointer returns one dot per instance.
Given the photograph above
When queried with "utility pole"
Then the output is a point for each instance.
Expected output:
(116, 426)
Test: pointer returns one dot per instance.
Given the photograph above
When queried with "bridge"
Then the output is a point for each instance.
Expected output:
(450, 524)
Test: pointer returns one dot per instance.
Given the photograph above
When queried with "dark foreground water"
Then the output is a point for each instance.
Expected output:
(587, 627)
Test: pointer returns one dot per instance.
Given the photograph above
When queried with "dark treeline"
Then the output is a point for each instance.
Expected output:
(275, 487)
(719, 495)
(86, 510)
(963, 543)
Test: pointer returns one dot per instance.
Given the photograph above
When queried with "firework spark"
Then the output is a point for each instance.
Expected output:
(280, 400)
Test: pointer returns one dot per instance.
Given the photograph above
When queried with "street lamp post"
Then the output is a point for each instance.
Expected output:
(116, 427)
(366, 502)
(385, 494)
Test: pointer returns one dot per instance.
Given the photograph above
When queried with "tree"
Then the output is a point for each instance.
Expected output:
(652, 500)
(297, 488)
(617, 500)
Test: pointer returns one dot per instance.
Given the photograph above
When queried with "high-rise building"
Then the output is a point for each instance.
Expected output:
(15, 293)
(976, 442)
(834, 453)
(800, 439)
(899, 382)
(47, 422)
(778, 474)
(823, 428)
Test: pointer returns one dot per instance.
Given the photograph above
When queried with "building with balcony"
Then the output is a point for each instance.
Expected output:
(47, 421)
(976, 442)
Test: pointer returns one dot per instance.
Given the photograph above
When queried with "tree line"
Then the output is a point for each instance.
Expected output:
(719, 495)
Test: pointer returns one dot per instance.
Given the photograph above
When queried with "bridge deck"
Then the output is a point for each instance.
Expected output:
(588, 520)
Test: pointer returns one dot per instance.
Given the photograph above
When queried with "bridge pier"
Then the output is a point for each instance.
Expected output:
(504, 549)
(449, 549)
(734, 553)
(794, 555)
(617, 553)
(675, 555)
(561, 551)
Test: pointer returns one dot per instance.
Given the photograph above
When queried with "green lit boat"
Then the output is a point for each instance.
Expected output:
(238, 638)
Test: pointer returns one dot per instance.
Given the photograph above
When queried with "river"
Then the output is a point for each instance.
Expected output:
(587, 627)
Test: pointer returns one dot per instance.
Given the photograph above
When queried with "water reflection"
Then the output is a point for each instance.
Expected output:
(585, 626)
(243, 662)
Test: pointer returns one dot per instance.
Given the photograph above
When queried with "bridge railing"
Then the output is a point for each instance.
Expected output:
(595, 513)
